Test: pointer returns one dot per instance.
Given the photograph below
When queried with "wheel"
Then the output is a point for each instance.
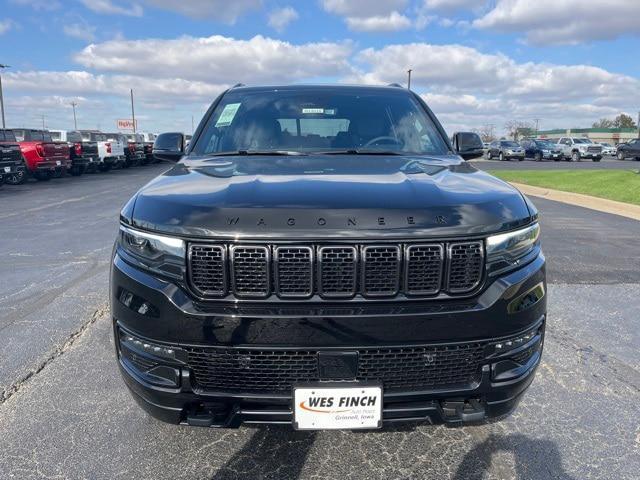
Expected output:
(537, 157)
(17, 178)
(575, 157)
(59, 172)
(44, 176)
(488, 154)
(597, 159)
(501, 157)
(76, 170)
(620, 156)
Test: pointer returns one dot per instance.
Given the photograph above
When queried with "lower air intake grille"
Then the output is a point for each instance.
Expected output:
(276, 371)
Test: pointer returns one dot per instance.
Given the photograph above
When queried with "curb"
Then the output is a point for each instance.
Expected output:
(580, 200)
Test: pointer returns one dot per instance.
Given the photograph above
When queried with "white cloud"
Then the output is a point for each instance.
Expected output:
(81, 31)
(6, 25)
(362, 8)
(379, 23)
(39, 5)
(110, 8)
(281, 17)
(449, 5)
(219, 59)
(557, 22)
(223, 10)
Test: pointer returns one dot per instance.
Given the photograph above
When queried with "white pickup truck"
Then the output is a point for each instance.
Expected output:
(110, 152)
(576, 148)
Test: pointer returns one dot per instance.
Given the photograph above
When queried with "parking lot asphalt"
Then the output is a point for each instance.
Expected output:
(607, 163)
(65, 412)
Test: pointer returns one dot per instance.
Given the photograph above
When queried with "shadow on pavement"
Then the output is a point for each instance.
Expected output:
(272, 452)
(533, 458)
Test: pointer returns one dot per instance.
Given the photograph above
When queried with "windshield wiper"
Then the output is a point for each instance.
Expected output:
(239, 153)
(360, 151)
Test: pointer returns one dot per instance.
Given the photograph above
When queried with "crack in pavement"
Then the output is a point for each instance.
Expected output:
(14, 388)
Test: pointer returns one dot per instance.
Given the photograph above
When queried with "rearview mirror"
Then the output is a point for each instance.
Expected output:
(169, 146)
(468, 145)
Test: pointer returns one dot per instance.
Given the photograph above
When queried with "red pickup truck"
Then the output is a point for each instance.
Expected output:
(43, 157)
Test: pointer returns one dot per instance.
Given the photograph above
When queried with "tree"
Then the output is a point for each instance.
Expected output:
(518, 128)
(621, 121)
(485, 132)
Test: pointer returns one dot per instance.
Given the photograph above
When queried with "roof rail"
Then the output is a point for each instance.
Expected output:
(239, 85)
(395, 85)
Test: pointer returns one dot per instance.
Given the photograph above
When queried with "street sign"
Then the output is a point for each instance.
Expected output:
(126, 124)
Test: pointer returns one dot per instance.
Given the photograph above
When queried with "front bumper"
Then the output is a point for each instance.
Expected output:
(171, 318)
(552, 155)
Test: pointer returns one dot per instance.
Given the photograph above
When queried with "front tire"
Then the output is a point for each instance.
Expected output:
(538, 157)
(17, 178)
(44, 176)
(488, 154)
(597, 159)
(501, 157)
(621, 156)
(575, 157)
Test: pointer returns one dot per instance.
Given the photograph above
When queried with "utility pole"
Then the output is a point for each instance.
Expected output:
(133, 113)
(75, 123)
(43, 128)
(536, 120)
(409, 79)
(2, 67)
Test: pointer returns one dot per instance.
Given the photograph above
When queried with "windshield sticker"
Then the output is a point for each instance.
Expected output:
(228, 114)
(313, 110)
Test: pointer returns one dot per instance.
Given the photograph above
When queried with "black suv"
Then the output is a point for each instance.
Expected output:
(542, 150)
(322, 257)
(11, 162)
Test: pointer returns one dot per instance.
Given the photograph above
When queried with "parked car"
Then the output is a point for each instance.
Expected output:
(44, 158)
(541, 150)
(608, 149)
(348, 274)
(11, 163)
(505, 150)
(630, 149)
(167, 144)
(136, 148)
(83, 153)
(110, 153)
(576, 148)
(148, 139)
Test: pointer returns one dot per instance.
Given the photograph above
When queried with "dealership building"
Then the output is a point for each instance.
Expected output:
(608, 135)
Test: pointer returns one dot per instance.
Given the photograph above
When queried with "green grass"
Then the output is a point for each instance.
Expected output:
(620, 185)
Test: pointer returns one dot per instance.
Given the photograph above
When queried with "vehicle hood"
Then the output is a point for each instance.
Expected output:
(330, 196)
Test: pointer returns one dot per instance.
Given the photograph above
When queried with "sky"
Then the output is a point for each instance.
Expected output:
(566, 63)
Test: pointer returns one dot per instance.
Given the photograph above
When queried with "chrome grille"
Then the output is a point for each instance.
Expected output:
(338, 273)
(250, 271)
(381, 270)
(424, 269)
(294, 271)
(335, 271)
(466, 262)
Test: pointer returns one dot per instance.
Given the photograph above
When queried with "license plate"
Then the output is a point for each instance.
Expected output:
(90, 159)
(337, 407)
(58, 163)
(7, 169)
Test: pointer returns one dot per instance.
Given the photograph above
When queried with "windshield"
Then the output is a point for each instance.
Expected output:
(7, 136)
(581, 140)
(546, 144)
(320, 120)
(510, 144)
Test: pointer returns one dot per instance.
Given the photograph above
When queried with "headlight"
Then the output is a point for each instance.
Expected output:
(507, 250)
(509, 151)
(546, 151)
(159, 253)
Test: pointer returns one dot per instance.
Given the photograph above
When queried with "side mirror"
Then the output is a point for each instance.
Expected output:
(468, 145)
(169, 147)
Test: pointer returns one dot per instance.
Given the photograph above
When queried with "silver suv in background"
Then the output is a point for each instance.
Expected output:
(575, 149)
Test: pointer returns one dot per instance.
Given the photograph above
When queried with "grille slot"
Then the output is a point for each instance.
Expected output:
(338, 272)
(466, 264)
(276, 371)
(207, 269)
(294, 271)
(423, 274)
(250, 271)
(381, 270)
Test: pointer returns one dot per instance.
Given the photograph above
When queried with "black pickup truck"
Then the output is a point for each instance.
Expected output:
(137, 148)
(11, 162)
(323, 257)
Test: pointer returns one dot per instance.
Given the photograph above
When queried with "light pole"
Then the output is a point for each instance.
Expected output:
(409, 79)
(75, 123)
(133, 114)
(2, 67)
